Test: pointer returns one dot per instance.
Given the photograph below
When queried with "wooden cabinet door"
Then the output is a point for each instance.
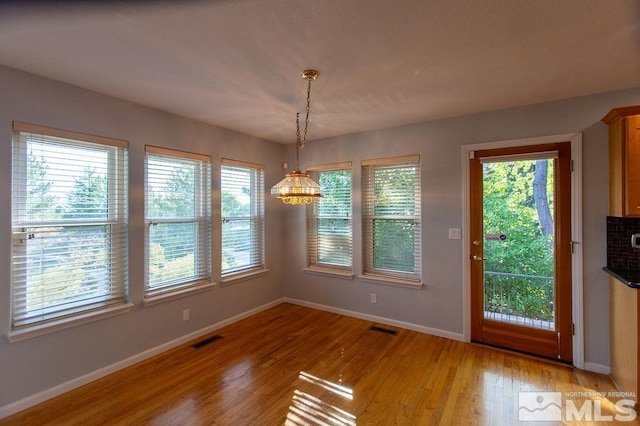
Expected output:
(632, 166)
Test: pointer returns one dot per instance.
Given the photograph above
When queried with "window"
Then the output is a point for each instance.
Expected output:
(69, 227)
(178, 223)
(391, 218)
(242, 192)
(329, 218)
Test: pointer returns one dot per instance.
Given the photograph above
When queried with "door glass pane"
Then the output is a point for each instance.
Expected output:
(518, 221)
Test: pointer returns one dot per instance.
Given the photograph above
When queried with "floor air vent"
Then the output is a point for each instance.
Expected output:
(383, 330)
(206, 341)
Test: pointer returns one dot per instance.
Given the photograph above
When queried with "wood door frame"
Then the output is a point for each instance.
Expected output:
(533, 340)
(576, 231)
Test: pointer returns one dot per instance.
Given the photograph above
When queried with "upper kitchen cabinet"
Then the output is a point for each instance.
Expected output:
(624, 160)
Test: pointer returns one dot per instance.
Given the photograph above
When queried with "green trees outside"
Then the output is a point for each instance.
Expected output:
(518, 203)
(394, 244)
(510, 209)
(239, 221)
(40, 202)
(88, 198)
(172, 244)
(230, 207)
(336, 193)
(174, 198)
(333, 218)
(50, 247)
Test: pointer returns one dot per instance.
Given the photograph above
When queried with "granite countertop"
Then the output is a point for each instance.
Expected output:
(628, 278)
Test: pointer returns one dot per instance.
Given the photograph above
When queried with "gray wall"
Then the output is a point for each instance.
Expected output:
(37, 364)
(439, 304)
(40, 363)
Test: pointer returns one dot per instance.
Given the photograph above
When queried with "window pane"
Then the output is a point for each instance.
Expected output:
(171, 190)
(236, 245)
(236, 192)
(334, 241)
(329, 221)
(394, 245)
(66, 182)
(242, 189)
(391, 217)
(172, 253)
(394, 191)
(64, 266)
(336, 193)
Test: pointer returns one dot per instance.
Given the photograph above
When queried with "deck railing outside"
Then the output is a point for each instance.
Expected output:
(519, 299)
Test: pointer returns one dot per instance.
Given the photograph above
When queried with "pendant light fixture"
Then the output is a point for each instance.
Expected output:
(298, 188)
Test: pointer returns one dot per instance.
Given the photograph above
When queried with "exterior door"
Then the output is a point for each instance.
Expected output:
(521, 249)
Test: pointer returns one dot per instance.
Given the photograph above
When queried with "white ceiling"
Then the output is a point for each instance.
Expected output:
(382, 63)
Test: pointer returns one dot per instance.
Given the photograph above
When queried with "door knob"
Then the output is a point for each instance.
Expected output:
(479, 258)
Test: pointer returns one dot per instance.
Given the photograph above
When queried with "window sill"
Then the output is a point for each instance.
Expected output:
(380, 279)
(319, 270)
(243, 275)
(56, 325)
(177, 294)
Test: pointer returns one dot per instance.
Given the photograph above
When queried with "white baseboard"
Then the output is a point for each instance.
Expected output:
(597, 368)
(32, 400)
(381, 320)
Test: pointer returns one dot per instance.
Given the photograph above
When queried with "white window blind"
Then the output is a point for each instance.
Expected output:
(242, 192)
(178, 221)
(391, 217)
(329, 234)
(69, 224)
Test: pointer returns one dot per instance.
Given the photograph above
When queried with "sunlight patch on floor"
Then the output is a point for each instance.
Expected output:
(326, 384)
(307, 409)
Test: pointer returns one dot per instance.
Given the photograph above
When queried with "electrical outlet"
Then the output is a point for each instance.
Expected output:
(185, 315)
(374, 298)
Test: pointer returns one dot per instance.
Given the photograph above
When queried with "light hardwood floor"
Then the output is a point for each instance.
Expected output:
(294, 365)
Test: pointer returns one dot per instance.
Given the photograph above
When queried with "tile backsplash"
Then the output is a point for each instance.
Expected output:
(621, 257)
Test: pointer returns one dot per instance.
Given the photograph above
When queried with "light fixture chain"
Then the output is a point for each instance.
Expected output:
(306, 120)
(299, 143)
(300, 140)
